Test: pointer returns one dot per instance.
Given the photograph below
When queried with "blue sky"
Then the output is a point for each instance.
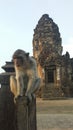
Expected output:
(18, 18)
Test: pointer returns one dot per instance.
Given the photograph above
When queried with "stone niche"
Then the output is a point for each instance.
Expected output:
(54, 69)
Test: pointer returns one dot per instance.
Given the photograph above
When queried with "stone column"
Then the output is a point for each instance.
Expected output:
(58, 75)
(25, 114)
(32, 122)
(7, 106)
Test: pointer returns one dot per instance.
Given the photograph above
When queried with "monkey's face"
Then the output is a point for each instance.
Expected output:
(21, 58)
(18, 62)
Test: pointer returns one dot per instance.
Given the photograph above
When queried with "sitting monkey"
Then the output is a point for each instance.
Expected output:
(26, 81)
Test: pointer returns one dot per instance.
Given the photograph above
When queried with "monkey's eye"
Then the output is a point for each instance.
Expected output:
(19, 57)
(18, 60)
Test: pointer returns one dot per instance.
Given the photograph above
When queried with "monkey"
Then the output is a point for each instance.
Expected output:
(26, 80)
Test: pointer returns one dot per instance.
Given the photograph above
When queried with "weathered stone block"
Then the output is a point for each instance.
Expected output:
(25, 114)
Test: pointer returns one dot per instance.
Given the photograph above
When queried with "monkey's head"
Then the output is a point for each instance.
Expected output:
(20, 57)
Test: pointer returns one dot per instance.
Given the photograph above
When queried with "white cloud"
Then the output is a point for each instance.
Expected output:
(68, 47)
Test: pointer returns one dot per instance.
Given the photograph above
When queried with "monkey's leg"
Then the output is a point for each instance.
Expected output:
(13, 85)
(34, 87)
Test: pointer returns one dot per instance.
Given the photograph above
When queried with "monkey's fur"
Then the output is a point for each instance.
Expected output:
(26, 81)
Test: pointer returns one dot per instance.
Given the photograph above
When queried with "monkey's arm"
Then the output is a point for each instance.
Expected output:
(31, 81)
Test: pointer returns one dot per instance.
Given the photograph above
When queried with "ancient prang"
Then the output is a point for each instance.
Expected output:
(54, 69)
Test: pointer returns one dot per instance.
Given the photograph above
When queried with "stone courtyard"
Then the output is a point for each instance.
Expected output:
(55, 114)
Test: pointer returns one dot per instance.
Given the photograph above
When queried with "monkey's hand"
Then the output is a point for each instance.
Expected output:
(29, 96)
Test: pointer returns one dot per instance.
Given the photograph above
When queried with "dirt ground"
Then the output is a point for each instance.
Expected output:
(55, 114)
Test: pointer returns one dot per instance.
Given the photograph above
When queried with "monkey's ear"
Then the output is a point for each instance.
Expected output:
(27, 54)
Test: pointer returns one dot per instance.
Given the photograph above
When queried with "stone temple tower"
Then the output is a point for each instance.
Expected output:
(47, 50)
